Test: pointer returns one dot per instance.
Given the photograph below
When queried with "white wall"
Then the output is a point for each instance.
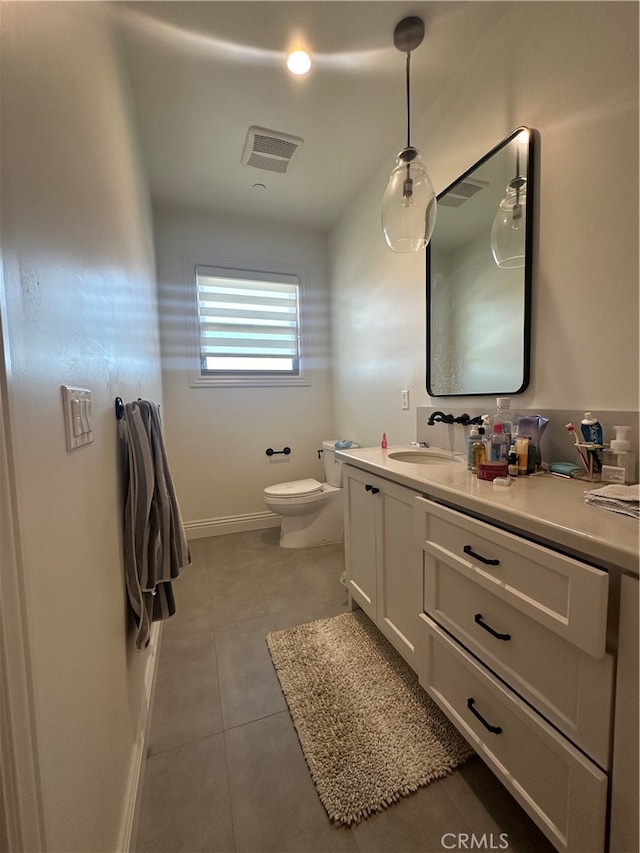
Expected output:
(570, 70)
(80, 308)
(217, 437)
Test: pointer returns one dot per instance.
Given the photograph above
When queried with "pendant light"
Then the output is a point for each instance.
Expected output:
(508, 232)
(409, 204)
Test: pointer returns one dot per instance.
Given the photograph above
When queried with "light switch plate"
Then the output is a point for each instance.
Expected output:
(405, 399)
(77, 416)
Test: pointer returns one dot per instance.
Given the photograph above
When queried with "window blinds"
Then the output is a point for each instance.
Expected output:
(248, 322)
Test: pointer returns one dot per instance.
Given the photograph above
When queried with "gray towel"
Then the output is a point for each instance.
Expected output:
(155, 545)
(617, 498)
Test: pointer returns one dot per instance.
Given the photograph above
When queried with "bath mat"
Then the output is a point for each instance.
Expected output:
(370, 734)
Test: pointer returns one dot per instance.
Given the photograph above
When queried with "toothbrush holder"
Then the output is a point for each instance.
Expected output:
(586, 451)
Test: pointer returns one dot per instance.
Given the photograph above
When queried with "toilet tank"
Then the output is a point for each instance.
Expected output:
(332, 466)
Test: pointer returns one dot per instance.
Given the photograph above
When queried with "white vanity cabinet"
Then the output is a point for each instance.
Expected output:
(383, 562)
(512, 647)
(518, 609)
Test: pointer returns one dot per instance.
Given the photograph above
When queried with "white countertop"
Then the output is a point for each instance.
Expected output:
(542, 505)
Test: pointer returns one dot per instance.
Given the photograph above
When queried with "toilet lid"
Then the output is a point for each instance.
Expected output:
(294, 488)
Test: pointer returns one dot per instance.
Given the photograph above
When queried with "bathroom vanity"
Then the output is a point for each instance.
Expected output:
(517, 608)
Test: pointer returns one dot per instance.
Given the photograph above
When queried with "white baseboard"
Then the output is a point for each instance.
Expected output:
(230, 524)
(129, 825)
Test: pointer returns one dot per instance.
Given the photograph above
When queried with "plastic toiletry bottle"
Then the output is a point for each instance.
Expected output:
(473, 436)
(619, 462)
(383, 443)
(513, 461)
(522, 454)
(499, 444)
(591, 429)
(478, 453)
(504, 416)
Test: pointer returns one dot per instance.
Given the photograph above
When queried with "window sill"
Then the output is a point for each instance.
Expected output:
(198, 381)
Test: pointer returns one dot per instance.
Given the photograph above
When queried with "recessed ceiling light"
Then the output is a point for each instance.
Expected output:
(298, 62)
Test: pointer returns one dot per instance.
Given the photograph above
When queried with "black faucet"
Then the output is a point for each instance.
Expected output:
(439, 417)
(464, 419)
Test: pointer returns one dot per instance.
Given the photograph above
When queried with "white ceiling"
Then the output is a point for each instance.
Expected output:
(203, 72)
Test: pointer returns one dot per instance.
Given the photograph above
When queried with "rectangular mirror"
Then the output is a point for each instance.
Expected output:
(479, 276)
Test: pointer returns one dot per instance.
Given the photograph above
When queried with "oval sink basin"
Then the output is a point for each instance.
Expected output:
(422, 457)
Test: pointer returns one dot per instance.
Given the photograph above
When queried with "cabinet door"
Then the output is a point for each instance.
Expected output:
(562, 790)
(361, 508)
(400, 579)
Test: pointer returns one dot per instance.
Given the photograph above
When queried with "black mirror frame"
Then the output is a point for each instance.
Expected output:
(528, 266)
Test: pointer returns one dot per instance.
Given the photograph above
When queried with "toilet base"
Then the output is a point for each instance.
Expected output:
(325, 526)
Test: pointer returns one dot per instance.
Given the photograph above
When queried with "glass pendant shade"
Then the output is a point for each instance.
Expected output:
(508, 232)
(409, 205)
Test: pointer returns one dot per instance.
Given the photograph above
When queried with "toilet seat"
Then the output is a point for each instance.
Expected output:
(294, 489)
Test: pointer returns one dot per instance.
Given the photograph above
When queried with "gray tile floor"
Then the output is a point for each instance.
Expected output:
(225, 771)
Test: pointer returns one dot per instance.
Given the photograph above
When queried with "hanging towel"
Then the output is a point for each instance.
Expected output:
(617, 498)
(155, 545)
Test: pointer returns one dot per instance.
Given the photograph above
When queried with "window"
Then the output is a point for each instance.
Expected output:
(248, 327)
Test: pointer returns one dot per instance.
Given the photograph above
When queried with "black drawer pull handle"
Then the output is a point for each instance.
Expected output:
(372, 489)
(468, 550)
(496, 730)
(478, 620)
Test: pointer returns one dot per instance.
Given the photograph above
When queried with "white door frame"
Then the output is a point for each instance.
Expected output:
(21, 812)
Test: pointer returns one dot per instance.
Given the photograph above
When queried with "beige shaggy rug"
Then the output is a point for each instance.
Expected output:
(369, 732)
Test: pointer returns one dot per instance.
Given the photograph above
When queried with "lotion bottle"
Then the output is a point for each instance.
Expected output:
(522, 454)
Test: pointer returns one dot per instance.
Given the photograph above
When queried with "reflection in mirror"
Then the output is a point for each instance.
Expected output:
(479, 276)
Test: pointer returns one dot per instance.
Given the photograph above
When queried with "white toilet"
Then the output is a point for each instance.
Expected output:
(312, 512)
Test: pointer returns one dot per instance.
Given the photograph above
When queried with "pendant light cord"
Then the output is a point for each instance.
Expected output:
(408, 100)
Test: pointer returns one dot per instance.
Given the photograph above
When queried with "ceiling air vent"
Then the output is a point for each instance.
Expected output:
(270, 150)
(462, 192)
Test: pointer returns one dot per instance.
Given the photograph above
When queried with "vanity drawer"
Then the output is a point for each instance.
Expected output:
(559, 787)
(565, 595)
(569, 687)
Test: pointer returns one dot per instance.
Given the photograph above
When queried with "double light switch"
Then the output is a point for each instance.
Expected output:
(77, 416)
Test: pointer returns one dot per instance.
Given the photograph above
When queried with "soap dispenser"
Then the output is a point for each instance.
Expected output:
(619, 461)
